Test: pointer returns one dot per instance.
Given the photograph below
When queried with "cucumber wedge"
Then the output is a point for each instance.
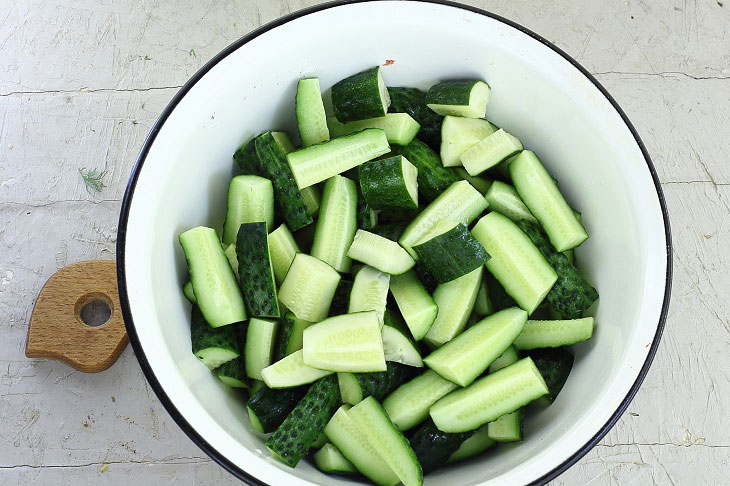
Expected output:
(414, 302)
(554, 365)
(256, 275)
(433, 447)
(188, 291)
(474, 445)
(369, 292)
(282, 249)
(361, 96)
(232, 373)
(312, 198)
(289, 338)
(259, 352)
(356, 386)
(413, 102)
(504, 199)
(433, 177)
(230, 253)
(398, 345)
(308, 288)
(489, 152)
(459, 134)
(291, 371)
(311, 118)
(507, 428)
(267, 408)
(213, 346)
(336, 224)
(331, 461)
(408, 405)
(467, 98)
(399, 128)
(507, 358)
(380, 252)
(390, 182)
(483, 305)
(250, 199)
(553, 334)
(455, 301)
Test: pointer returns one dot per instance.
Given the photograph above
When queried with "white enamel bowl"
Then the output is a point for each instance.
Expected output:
(538, 93)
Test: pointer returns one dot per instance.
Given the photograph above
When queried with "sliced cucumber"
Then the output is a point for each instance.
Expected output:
(408, 405)
(507, 358)
(489, 398)
(214, 284)
(385, 436)
(282, 249)
(289, 338)
(213, 346)
(433, 177)
(291, 371)
(474, 445)
(355, 445)
(380, 252)
(455, 301)
(230, 253)
(554, 365)
(336, 224)
(320, 162)
(361, 96)
(188, 291)
(415, 303)
(483, 305)
(356, 386)
(259, 352)
(489, 152)
(350, 342)
(392, 231)
(308, 288)
(367, 217)
(369, 292)
(467, 98)
(341, 300)
(267, 408)
(390, 182)
(507, 428)
(232, 373)
(413, 102)
(480, 183)
(399, 128)
(250, 199)
(516, 263)
(433, 447)
(398, 345)
(469, 354)
(460, 203)
(331, 461)
(553, 334)
(256, 275)
(312, 197)
(246, 158)
(311, 118)
(504, 199)
(543, 198)
(459, 134)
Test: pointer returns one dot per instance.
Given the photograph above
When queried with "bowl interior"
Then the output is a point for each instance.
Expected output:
(537, 95)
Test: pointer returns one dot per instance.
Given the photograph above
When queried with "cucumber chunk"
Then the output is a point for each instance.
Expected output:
(230, 253)
(213, 346)
(250, 199)
(390, 182)
(489, 152)
(291, 371)
(308, 288)
(413, 102)
(414, 302)
(409, 404)
(267, 408)
(489, 398)
(350, 342)
(504, 199)
(543, 198)
(398, 344)
(434, 447)
(507, 428)
(455, 301)
(480, 183)
(336, 224)
(554, 365)
(433, 177)
(311, 118)
(399, 128)
(232, 373)
(380, 252)
(467, 98)
(460, 134)
(188, 291)
(483, 305)
(282, 249)
(256, 275)
(507, 358)
(331, 461)
(450, 251)
(469, 354)
(341, 300)
(474, 445)
(289, 339)
(369, 292)
(361, 96)
(259, 351)
(312, 197)
(553, 334)
(356, 386)
(214, 284)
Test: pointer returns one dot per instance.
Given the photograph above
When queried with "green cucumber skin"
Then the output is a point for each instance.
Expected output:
(287, 198)
(256, 277)
(366, 216)
(554, 365)
(392, 231)
(426, 277)
(381, 383)
(247, 159)
(572, 294)
(341, 300)
(433, 177)
(397, 215)
(450, 92)
(357, 97)
(284, 334)
(497, 295)
(383, 186)
(294, 437)
(202, 336)
(450, 255)
(233, 369)
(272, 406)
(434, 447)
(413, 102)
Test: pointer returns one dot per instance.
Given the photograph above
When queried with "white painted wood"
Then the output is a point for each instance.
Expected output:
(82, 85)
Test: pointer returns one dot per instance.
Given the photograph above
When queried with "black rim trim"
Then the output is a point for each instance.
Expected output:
(126, 204)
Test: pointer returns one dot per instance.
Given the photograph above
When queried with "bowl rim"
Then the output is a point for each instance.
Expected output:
(134, 176)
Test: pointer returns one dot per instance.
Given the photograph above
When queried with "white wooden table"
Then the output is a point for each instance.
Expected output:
(81, 83)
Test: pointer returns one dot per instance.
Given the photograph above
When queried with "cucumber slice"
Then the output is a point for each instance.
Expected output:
(433, 177)
(369, 292)
(507, 428)
(291, 371)
(413, 102)
(480, 183)
(414, 302)
(467, 98)
(282, 249)
(483, 305)
(469, 354)
(455, 301)
(398, 345)
(289, 339)
(434, 447)
(312, 197)
(380, 252)
(553, 334)
(311, 118)
(320, 162)
(232, 373)
(504, 199)
(554, 365)
(459, 134)
(516, 263)
(508, 357)
(259, 351)
(390, 182)
(250, 199)
(361, 96)
(267, 408)
(460, 203)
(356, 386)
(489, 152)
(308, 288)
(474, 445)
(295, 436)
(351, 342)
(408, 405)
(256, 275)
(230, 253)
(489, 398)
(214, 284)
(543, 198)
(331, 461)
(246, 158)
(213, 346)
(399, 128)
(341, 300)
(397, 453)
(450, 252)
(188, 291)
(348, 437)
(336, 224)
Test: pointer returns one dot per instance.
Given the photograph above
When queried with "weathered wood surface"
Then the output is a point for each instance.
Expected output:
(81, 84)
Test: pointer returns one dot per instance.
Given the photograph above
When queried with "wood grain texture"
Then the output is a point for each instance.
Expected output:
(85, 81)
(57, 330)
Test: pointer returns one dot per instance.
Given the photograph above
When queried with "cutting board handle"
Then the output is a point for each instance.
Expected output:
(56, 329)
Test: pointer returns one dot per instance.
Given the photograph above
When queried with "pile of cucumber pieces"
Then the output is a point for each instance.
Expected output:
(388, 308)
